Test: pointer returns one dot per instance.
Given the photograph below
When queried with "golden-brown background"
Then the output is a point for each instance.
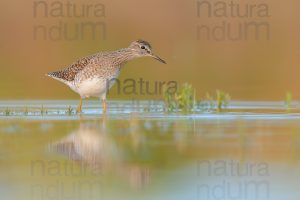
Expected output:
(247, 69)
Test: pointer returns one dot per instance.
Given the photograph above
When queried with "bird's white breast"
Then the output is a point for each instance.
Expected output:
(92, 87)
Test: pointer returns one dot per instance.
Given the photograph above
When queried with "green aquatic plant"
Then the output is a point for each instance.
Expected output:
(183, 100)
(26, 111)
(7, 111)
(220, 102)
(147, 108)
(170, 104)
(43, 110)
(288, 101)
(70, 110)
(223, 99)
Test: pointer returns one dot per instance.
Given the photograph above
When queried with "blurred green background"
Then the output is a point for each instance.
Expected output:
(248, 69)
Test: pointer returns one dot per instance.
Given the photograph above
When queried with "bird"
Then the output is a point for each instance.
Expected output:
(88, 76)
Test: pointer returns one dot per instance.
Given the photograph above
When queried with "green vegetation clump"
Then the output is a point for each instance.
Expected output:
(7, 111)
(43, 110)
(288, 101)
(222, 100)
(26, 111)
(170, 103)
(185, 101)
(185, 98)
(70, 110)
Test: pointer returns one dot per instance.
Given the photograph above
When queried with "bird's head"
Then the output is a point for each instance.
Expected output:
(142, 48)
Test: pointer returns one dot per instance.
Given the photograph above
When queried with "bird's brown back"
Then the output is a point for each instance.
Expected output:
(69, 73)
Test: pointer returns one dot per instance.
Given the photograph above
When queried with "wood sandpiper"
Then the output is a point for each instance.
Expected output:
(88, 76)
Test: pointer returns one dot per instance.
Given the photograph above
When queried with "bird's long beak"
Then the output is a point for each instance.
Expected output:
(158, 58)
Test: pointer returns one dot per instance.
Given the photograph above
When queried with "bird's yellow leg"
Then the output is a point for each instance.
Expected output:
(104, 104)
(79, 109)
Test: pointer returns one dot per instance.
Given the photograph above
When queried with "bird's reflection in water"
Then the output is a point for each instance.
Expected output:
(94, 147)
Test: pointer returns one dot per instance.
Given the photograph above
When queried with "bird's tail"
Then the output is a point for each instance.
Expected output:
(55, 75)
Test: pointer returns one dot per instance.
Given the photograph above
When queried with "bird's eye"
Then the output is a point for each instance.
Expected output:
(142, 47)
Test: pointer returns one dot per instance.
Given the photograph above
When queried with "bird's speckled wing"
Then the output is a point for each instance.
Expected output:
(69, 73)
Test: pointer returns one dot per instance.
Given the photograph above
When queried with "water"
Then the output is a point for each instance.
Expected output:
(251, 151)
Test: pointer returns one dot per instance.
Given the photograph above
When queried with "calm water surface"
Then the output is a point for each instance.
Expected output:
(252, 151)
